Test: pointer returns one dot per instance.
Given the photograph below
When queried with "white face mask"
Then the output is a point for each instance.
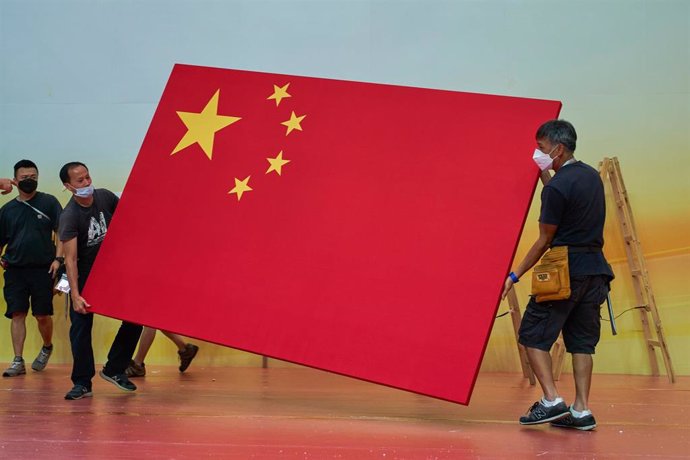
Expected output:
(543, 160)
(84, 192)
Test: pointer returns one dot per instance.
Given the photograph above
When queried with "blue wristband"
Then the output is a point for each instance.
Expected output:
(514, 277)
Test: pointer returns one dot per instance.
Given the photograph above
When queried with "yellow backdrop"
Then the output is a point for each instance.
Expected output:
(624, 353)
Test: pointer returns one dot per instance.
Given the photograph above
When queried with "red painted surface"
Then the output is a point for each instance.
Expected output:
(379, 252)
(301, 413)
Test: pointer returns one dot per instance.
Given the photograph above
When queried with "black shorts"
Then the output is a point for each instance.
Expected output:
(577, 317)
(24, 284)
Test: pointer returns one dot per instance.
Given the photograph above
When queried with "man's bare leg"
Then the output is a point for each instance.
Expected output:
(177, 340)
(18, 331)
(582, 372)
(540, 361)
(45, 327)
(145, 342)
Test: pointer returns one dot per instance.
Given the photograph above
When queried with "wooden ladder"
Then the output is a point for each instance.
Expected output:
(516, 316)
(609, 168)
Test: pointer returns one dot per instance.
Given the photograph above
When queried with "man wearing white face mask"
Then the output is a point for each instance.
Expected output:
(83, 227)
(572, 214)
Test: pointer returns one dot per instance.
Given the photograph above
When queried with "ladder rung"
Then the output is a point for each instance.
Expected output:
(654, 343)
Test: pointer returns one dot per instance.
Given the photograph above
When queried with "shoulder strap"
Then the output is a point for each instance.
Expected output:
(37, 210)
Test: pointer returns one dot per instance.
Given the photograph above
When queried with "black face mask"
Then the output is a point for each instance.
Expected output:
(27, 185)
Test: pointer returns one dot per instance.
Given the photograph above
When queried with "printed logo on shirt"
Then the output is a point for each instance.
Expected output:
(97, 230)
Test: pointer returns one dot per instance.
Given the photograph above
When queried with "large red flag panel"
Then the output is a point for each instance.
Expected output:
(359, 228)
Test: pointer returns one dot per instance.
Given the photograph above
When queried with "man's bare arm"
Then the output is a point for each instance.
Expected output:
(70, 249)
(546, 235)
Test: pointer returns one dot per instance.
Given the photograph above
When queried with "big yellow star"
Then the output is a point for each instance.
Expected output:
(293, 123)
(279, 93)
(277, 163)
(241, 186)
(202, 127)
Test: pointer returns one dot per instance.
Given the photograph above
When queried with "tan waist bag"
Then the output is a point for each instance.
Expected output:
(551, 278)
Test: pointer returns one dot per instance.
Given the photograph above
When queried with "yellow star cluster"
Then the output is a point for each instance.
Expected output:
(203, 126)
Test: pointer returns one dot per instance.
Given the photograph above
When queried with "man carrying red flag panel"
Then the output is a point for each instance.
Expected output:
(83, 227)
(572, 215)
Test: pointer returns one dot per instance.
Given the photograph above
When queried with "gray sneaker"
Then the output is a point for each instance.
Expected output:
(16, 368)
(41, 360)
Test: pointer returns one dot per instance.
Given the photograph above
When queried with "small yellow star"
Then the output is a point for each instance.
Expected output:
(293, 123)
(279, 93)
(241, 186)
(277, 163)
(202, 127)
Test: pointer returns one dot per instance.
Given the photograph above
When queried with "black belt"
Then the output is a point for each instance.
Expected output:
(583, 249)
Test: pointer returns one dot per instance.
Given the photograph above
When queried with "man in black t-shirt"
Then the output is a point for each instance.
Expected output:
(27, 224)
(572, 214)
(83, 226)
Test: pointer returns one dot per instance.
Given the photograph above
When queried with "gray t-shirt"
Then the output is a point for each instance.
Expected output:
(89, 226)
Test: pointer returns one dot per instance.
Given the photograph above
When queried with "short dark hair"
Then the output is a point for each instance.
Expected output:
(24, 164)
(558, 132)
(64, 171)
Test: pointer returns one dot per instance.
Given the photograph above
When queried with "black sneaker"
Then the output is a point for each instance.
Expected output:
(187, 356)
(585, 423)
(539, 413)
(78, 392)
(120, 380)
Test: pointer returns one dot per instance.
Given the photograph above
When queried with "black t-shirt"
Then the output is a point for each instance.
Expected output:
(28, 232)
(89, 226)
(574, 201)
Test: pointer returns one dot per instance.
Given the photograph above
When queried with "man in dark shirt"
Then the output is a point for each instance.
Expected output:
(83, 226)
(27, 224)
(572, 214)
